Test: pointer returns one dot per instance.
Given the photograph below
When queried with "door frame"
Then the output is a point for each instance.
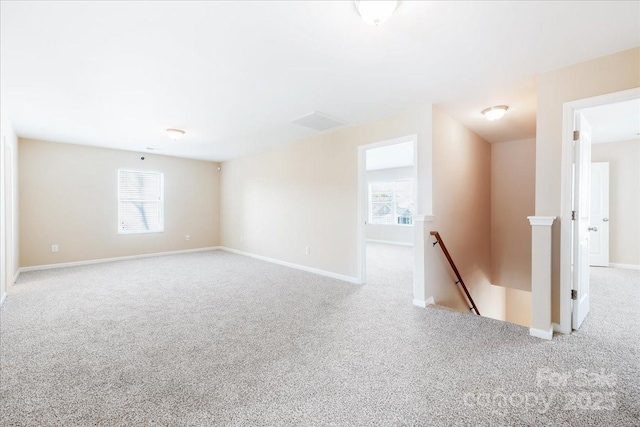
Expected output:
(363, 194)
(581, 221)
(566, 225)
(3, 237)
(604, 225)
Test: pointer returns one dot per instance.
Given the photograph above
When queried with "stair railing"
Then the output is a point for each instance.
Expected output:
(455, 270)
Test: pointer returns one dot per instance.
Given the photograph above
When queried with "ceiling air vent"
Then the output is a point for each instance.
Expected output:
(318, 121)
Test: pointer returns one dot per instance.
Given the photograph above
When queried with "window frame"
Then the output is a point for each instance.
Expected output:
(393, 203)
(160, 202)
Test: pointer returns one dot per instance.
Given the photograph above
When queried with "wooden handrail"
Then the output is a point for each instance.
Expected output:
(455, 270)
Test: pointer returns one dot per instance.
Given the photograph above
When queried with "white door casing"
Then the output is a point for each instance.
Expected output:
(8, 204)
(599, 237)
(566, 196)
(581, 223)
(3, 238)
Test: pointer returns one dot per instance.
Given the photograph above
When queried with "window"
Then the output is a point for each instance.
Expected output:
(140, 201)
(391, 202)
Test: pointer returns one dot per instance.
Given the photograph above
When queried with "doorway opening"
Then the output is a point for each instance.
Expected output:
(387, 199)
(600, 244)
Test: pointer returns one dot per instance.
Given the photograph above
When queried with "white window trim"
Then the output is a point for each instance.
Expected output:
(394, 203)
(161, 229)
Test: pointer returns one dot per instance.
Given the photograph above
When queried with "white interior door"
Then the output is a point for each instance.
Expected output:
(3, 238)
(581, 223)
(599, 238)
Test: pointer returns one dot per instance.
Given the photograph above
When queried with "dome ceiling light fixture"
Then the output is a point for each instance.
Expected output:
(495, 113)
(375, 12)
(175, 134)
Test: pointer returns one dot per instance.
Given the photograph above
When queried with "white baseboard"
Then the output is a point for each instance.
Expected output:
(539, 333)
(425, 303)
(558, 328)
(627, 266)
(103, 260)
(296, 266)
(389, 242)
(2, 298)
(15, 278)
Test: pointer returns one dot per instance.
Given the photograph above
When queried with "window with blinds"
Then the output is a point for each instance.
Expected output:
(140, 201)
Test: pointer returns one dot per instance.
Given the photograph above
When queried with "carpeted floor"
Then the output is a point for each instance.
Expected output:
(390, 267)
(215, 338)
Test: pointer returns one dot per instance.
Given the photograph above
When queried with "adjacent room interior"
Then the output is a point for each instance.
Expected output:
(391, 190)
(614, 231)
(319, 213)
(614, 184)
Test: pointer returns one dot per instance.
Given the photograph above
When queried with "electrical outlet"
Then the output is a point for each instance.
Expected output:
(307, 250)
(54, 248)
(187, 237)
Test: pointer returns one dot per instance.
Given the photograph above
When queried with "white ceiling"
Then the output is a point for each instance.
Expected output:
(614, 122)
(390, 156)
(235, 74)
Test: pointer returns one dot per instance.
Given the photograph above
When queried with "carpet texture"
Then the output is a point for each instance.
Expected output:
(390, 267)
(215, 338)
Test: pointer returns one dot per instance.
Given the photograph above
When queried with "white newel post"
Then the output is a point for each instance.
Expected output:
(421, 224)
(541, 276)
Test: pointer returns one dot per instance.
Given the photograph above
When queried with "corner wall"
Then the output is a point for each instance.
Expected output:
(69, 197)
(462, 211)
(513, 179)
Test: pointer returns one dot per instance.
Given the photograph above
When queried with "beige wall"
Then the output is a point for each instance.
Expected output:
(68, 196)
(9, 175)
(600, 76)
(277, 203)
(624, 203)
(512, 200)
(462, 210)
(518, 307)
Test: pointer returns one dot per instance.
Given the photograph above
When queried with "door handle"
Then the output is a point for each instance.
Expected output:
(605, 219)
(593, 228)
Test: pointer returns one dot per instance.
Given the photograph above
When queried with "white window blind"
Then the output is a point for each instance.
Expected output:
(391, 202)
(140, 201)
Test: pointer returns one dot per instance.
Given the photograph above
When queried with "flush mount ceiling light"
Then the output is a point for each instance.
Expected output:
(495, 113)
(375, 12)
(175, 133)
